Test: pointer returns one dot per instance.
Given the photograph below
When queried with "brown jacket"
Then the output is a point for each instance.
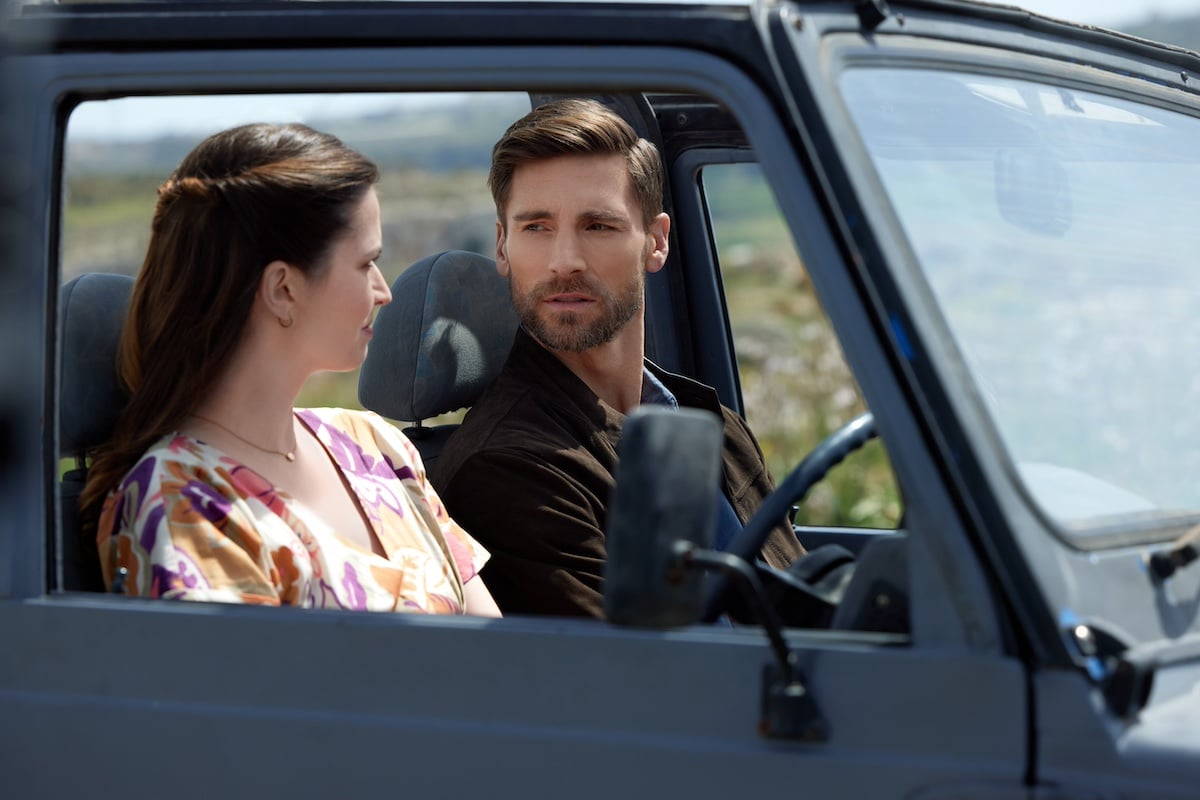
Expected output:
(530, 471)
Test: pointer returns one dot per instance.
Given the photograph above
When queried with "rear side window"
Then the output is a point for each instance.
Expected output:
(796, 386)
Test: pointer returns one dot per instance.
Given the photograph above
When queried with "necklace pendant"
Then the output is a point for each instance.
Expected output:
(290, 456)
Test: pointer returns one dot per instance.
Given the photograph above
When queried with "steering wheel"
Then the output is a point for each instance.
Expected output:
(790, 491)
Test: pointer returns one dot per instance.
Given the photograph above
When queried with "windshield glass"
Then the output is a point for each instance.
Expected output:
(1059, 231)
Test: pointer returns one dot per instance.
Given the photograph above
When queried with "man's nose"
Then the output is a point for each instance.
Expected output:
(566, 255)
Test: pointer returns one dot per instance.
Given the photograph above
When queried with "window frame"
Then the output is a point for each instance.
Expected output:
(69, 79)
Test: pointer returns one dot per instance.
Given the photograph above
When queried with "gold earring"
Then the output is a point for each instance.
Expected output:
(286, 323)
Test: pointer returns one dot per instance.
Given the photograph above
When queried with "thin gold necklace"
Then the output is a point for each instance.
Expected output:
(290, 455)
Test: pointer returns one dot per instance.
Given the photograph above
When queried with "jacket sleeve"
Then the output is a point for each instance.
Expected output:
(543, 526)
(750, 483)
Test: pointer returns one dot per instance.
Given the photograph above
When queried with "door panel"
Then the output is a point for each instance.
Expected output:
(349, 702)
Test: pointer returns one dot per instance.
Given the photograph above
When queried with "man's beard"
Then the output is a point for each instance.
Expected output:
(565, 330)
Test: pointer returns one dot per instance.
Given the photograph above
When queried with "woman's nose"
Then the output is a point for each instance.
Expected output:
(383, 292)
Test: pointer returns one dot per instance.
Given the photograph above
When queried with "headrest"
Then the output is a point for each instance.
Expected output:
(92, 311)
(442, 339)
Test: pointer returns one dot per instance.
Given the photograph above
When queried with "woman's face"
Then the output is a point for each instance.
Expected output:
(338, 307)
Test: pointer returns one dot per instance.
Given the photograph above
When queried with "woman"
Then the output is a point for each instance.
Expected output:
(261, 272)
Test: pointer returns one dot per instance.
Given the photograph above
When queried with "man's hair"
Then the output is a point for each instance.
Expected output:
(576, 127)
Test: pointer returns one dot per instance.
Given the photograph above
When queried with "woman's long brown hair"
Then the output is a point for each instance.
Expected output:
(243, 198)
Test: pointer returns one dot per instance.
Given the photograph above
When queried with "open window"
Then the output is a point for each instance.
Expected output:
(434, 150)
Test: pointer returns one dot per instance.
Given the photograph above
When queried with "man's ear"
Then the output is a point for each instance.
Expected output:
(275, 288)
(501, 251)
(658, 242)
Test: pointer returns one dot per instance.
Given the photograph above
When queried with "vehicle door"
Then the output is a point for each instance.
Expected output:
(1015, 190)
(104, 694)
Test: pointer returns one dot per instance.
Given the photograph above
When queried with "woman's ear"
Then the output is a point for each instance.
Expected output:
(275, 291)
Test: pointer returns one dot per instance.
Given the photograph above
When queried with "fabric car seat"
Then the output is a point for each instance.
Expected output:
(440, 342)
(92, 310)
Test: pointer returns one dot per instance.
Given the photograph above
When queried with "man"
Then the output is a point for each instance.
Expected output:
(530, 471)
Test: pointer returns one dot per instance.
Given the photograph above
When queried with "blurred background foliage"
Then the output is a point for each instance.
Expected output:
(796, 386)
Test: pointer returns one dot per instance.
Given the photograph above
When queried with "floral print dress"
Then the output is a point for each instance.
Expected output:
(190, 523)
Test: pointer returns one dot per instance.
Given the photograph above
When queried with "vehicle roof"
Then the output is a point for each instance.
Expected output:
(621, 12)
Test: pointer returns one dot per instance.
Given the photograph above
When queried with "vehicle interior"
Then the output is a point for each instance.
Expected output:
(716, 313)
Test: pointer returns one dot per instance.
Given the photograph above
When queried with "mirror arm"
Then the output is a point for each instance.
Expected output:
(752, 587)
(788, 710)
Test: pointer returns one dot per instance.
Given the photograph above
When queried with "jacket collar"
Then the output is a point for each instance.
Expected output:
(543, 369)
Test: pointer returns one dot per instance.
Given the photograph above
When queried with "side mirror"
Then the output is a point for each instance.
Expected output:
(668, 485)
(661, 524)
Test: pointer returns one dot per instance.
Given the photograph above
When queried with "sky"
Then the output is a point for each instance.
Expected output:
(1107, 13)
(136, 118)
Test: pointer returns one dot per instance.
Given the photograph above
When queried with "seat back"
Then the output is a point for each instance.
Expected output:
(92, 310)
(440, 342)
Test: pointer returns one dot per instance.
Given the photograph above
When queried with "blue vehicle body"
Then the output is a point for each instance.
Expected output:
(1042, 656)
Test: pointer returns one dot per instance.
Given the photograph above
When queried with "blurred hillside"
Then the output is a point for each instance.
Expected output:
(433, 190)
(439, 137)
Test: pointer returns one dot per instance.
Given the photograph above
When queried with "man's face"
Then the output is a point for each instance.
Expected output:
(575, 249)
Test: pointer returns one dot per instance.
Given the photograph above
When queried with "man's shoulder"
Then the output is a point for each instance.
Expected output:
(692, 393)
(509, 419)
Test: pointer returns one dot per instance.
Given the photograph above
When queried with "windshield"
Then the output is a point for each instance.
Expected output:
(1059, 231)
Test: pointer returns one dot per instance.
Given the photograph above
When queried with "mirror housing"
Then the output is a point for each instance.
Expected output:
(667, 489)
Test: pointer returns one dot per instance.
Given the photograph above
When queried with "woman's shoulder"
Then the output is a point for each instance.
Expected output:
(170, 470)
(340, 416)
(350, 420)
(164, 457)
(364, 427)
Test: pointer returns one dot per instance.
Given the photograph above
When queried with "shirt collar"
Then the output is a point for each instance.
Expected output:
(654, 392)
